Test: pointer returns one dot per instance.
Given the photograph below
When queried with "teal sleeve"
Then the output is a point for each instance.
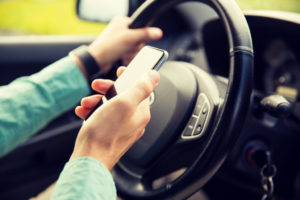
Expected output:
(29, 103)
(85, 179)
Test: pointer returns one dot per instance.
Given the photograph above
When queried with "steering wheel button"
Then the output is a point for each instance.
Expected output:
(199, 105)
(205, 109)
(197, 109)
(188, 131)
(198, 129)
(192, 121)
(202, 119)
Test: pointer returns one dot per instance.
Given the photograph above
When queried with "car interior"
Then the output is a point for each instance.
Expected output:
(240, 71)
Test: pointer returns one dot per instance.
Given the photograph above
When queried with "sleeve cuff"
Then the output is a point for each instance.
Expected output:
(67, 84)
(85, 178)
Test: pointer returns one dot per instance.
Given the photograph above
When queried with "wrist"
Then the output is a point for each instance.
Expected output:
(101, 156)
(100, 57)
(81, 67)
(85, 61)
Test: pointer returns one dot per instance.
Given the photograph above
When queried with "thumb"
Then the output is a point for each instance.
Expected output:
(143, 87)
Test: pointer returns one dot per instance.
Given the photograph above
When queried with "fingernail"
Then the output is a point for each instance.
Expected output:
(154, 75)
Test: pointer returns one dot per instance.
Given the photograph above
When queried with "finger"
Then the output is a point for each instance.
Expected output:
(121, 20)
(82, 112)
(102, 85)
(146, 34)
(120, 71)
(91, 101)
(143, 87)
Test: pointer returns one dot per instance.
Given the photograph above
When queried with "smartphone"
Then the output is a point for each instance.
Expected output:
(147, 58)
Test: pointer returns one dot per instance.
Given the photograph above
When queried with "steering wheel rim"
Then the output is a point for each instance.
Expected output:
(231, 116)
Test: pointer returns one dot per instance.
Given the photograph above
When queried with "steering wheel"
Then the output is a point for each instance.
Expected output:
(196, 118)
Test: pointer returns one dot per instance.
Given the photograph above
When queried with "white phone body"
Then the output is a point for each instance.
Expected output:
(147, 58)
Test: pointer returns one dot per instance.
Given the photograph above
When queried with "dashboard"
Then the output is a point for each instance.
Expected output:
(276, 71)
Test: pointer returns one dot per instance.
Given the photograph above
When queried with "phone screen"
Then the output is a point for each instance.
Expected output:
(147, 58)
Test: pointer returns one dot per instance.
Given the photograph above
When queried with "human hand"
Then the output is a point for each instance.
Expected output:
(88, 104)
(115, 126)
(117, 41)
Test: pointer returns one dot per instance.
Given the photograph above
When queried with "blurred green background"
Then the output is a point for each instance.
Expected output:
(46, 17)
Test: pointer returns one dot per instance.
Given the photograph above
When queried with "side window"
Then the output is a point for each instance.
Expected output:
(43, 17)
(54, 17)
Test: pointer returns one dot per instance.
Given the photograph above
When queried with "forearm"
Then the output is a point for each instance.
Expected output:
(29, 103)
(84, 178)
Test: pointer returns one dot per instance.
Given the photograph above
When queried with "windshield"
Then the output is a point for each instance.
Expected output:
(49, 17)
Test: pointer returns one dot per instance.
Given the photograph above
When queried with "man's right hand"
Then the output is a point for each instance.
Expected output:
(115, 126)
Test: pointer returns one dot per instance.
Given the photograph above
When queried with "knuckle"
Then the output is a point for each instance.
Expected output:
(145, 88)
(147, 33)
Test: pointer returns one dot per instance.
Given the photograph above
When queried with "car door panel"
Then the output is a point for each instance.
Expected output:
(36, 164)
